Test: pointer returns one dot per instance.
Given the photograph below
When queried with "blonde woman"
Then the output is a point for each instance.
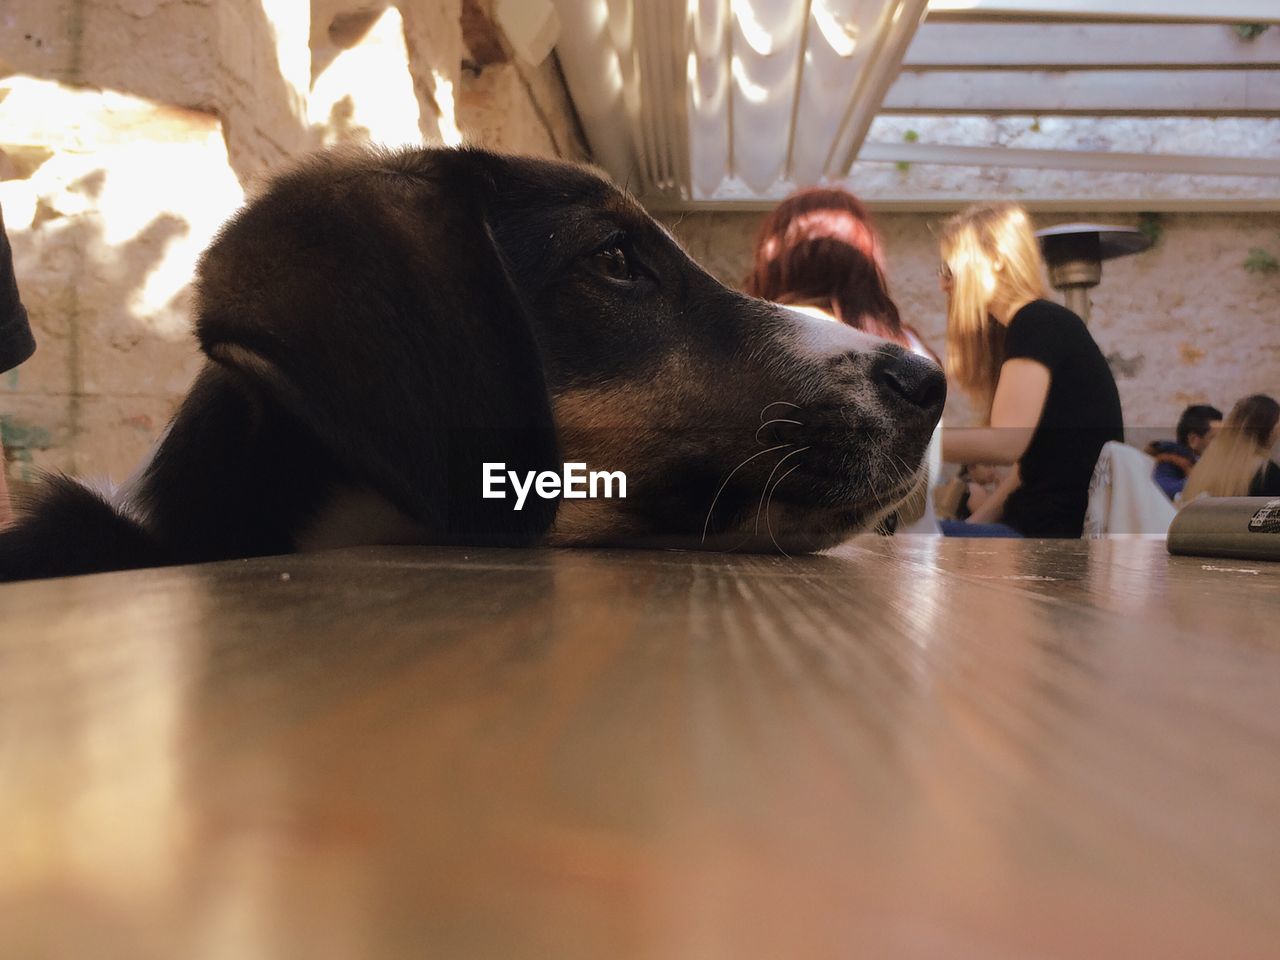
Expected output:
(1028, 363)
(1238, 461)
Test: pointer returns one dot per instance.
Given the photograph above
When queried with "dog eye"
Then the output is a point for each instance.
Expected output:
(612, 262)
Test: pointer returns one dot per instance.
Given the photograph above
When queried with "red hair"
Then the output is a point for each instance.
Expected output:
(819, 248)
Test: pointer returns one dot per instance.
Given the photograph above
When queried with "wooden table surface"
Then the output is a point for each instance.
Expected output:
(912, 748)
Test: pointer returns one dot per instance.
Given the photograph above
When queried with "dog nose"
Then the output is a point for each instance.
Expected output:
(916, 380)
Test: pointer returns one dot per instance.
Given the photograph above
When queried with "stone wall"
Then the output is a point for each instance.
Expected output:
(131, 129)
(1185, 322)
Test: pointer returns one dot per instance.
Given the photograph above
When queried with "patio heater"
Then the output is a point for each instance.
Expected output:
(1075, 251)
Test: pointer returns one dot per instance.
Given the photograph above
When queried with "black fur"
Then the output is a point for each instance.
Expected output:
(69, 529)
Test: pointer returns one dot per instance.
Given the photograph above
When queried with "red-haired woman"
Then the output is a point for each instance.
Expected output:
(818, 252)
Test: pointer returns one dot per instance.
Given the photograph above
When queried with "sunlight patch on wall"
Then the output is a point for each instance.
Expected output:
(146, 184)
(366, 92)
(447, 102)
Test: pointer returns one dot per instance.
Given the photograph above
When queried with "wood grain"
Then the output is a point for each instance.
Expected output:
(910, 748)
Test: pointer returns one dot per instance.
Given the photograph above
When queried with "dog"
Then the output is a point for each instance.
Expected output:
(380, 325)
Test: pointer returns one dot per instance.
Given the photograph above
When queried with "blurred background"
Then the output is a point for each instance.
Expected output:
(130, 129)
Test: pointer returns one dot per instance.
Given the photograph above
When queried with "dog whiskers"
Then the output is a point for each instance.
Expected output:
(759, 453)
(767, 523)
(905, 480)
(764, 490)
(775, 420)
(899, 479)
(774, 404)
(906, 472)
(875, 493)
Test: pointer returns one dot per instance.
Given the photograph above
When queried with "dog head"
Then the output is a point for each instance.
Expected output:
(428, 311)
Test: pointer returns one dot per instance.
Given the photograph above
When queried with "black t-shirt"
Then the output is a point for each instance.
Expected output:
(1081, 413)
(16, 342)
(1267, 482)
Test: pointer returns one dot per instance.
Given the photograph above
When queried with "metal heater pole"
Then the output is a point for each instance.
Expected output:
(1074, 253)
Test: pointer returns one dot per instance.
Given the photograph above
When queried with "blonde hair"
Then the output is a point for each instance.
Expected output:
(993, 256)
(1237, 453)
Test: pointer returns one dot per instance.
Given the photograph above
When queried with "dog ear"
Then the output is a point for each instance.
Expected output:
(364, 293)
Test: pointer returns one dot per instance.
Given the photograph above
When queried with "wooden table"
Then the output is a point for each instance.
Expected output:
(913, 748)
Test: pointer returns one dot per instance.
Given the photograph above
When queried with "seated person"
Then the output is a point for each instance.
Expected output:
(16, 343)
(972, 487)
(1198, 425)
(1238, 462)
(1050, 397)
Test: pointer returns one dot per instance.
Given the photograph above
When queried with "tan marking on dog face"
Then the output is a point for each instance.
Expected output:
(605, 428)
(356, 517)
(583, 523)
(629, 425)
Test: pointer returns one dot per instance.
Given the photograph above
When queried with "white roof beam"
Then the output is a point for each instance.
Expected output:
(843, 43)
(1077, 46)
(902, 19)
(1220, 93)
(1065, 203)
(1153, 11)
(1105, 162)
